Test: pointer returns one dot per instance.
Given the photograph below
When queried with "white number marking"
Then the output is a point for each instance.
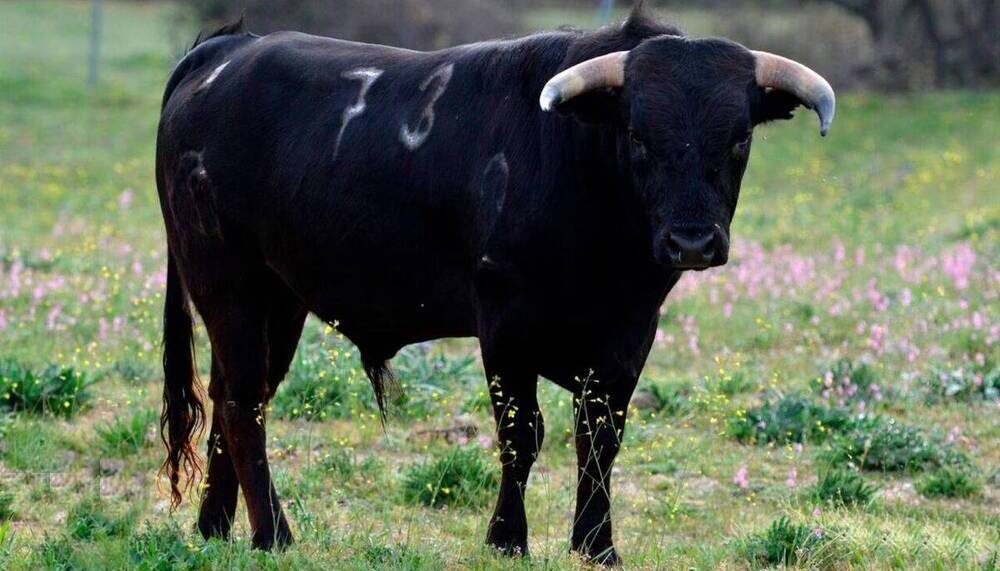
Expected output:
(367, 76)
(215, 74)
(413, 138)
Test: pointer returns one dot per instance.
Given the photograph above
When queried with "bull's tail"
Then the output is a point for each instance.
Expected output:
(183, 415)
(383, 382)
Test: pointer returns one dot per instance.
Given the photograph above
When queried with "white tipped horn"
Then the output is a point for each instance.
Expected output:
(791, 76)
(598, 73)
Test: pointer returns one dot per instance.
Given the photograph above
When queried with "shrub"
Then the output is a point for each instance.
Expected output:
(345, 465)
(60, 391)
(735, 383)
(963, 384)
(843, 488)
(132, 371)
(879, 443)
(6, 506)
(463, 477)
(668, 399)
(90, 520)
(54, 553)
(161, 548)
(950, 482)
(783, 543)
(793, 418)
(846, 384)
(126, 436)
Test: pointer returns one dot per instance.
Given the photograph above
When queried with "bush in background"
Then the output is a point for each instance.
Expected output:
(793, 418)
(968, 383)
(950, 482)
(843, 488)
(60, 391)
(125, 436)
(463, 477)
(783, 543)
(880, 443)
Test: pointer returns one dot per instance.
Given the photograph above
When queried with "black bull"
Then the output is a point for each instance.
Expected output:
(410, 196)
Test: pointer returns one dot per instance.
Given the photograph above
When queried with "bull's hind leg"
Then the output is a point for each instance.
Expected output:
(238, 327)
(286, 318)
(218, 499)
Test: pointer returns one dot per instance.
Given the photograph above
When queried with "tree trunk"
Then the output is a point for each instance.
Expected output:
(930, 43)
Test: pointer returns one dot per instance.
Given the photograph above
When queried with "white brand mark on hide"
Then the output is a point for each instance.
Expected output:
(367, 76)
(215, 74)
(413, 138)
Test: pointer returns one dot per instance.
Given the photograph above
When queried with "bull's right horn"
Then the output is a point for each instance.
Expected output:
(792, 77)
(599, 73)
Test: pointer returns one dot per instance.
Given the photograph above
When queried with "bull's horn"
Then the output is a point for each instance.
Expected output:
(784, 74)
(598, 73)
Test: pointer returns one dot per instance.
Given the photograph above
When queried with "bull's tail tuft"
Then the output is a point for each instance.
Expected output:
(183, 415)
(382, 380)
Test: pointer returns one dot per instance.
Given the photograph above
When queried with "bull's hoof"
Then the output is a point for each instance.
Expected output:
(507, 546)
(214, 527)
(278, 540)
(510, 540)
(510, 549)
(606, 558)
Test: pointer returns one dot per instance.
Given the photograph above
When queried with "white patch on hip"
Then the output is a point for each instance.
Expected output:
(367, 76)
(215, 74)
(413, 137)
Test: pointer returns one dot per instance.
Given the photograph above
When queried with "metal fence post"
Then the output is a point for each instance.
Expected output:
(605, 11)
(95, 42)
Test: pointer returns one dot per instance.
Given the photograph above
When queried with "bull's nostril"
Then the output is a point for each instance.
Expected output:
(691, 249)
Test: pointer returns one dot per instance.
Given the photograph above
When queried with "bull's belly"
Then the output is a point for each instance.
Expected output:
(387, 306)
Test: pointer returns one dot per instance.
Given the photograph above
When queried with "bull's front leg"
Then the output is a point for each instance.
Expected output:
(600, 406)
(520, 430)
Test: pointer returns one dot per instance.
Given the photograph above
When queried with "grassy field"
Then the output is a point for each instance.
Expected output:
(830, 399)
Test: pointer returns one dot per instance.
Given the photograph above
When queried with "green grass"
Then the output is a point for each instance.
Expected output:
(949, 482)
(127, 435)
(786, 543)
(848, 258)
(54, 390)
(843, 488)
(461, 477)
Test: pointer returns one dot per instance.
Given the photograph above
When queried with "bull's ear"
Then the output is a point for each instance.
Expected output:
(776, 105)
(596, 107)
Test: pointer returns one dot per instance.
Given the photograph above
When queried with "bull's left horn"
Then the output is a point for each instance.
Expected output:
(791, 76)
(598, 73)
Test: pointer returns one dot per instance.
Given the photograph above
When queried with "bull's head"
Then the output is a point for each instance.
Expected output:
(690, 107)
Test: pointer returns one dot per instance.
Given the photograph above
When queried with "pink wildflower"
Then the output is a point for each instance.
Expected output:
(125, 199)
(792, 479)
(958, 263)
(742, 479)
